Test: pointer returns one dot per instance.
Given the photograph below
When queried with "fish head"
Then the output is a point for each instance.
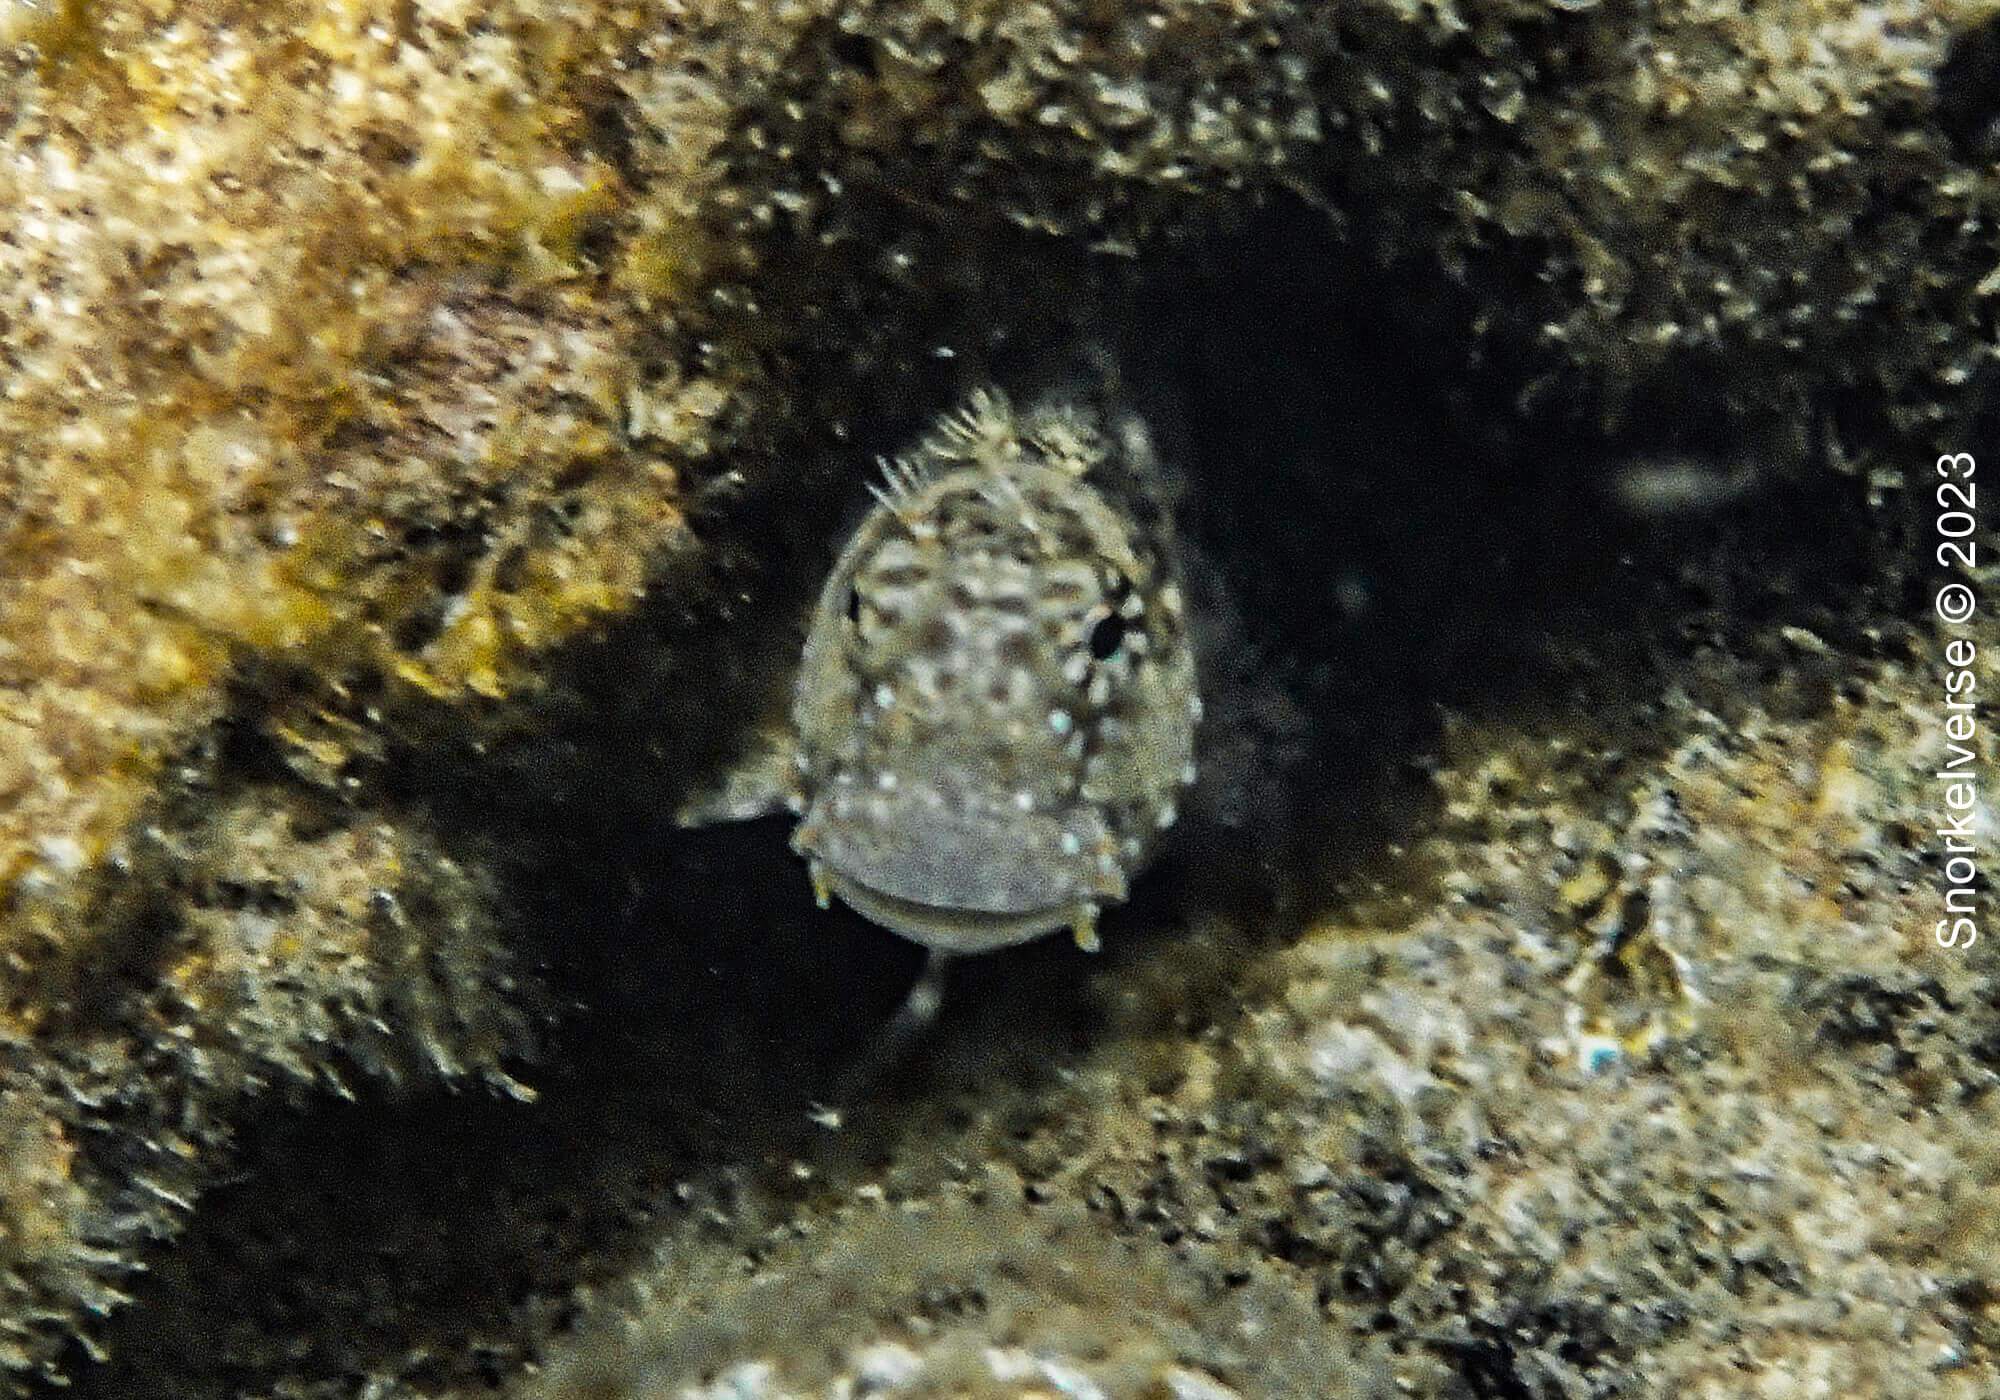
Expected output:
(996, 708)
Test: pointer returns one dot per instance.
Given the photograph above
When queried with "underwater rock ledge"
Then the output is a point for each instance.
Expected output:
(362, 368)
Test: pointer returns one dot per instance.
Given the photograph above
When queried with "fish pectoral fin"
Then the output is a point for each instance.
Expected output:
(761, 780)
(1083, 927)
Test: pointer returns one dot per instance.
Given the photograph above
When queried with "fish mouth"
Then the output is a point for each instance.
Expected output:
(966, 874)
(950, 929)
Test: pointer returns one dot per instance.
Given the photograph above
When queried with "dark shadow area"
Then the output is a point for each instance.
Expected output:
(1398, 543)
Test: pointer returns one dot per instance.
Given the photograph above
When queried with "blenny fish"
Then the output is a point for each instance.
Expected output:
(994, 717)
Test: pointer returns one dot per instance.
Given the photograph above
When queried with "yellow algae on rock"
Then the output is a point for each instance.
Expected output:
(256, 397)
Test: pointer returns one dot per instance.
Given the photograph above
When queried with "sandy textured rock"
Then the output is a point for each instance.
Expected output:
(414, 417)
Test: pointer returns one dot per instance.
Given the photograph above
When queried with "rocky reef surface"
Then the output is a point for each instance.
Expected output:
(418, 424)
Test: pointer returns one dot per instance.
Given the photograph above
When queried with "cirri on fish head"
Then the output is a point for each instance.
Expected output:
(996, 709)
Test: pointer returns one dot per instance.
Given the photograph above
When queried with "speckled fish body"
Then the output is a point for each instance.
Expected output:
(997, 703)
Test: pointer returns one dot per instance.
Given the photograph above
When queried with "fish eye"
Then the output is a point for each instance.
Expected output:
(1107, 636)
